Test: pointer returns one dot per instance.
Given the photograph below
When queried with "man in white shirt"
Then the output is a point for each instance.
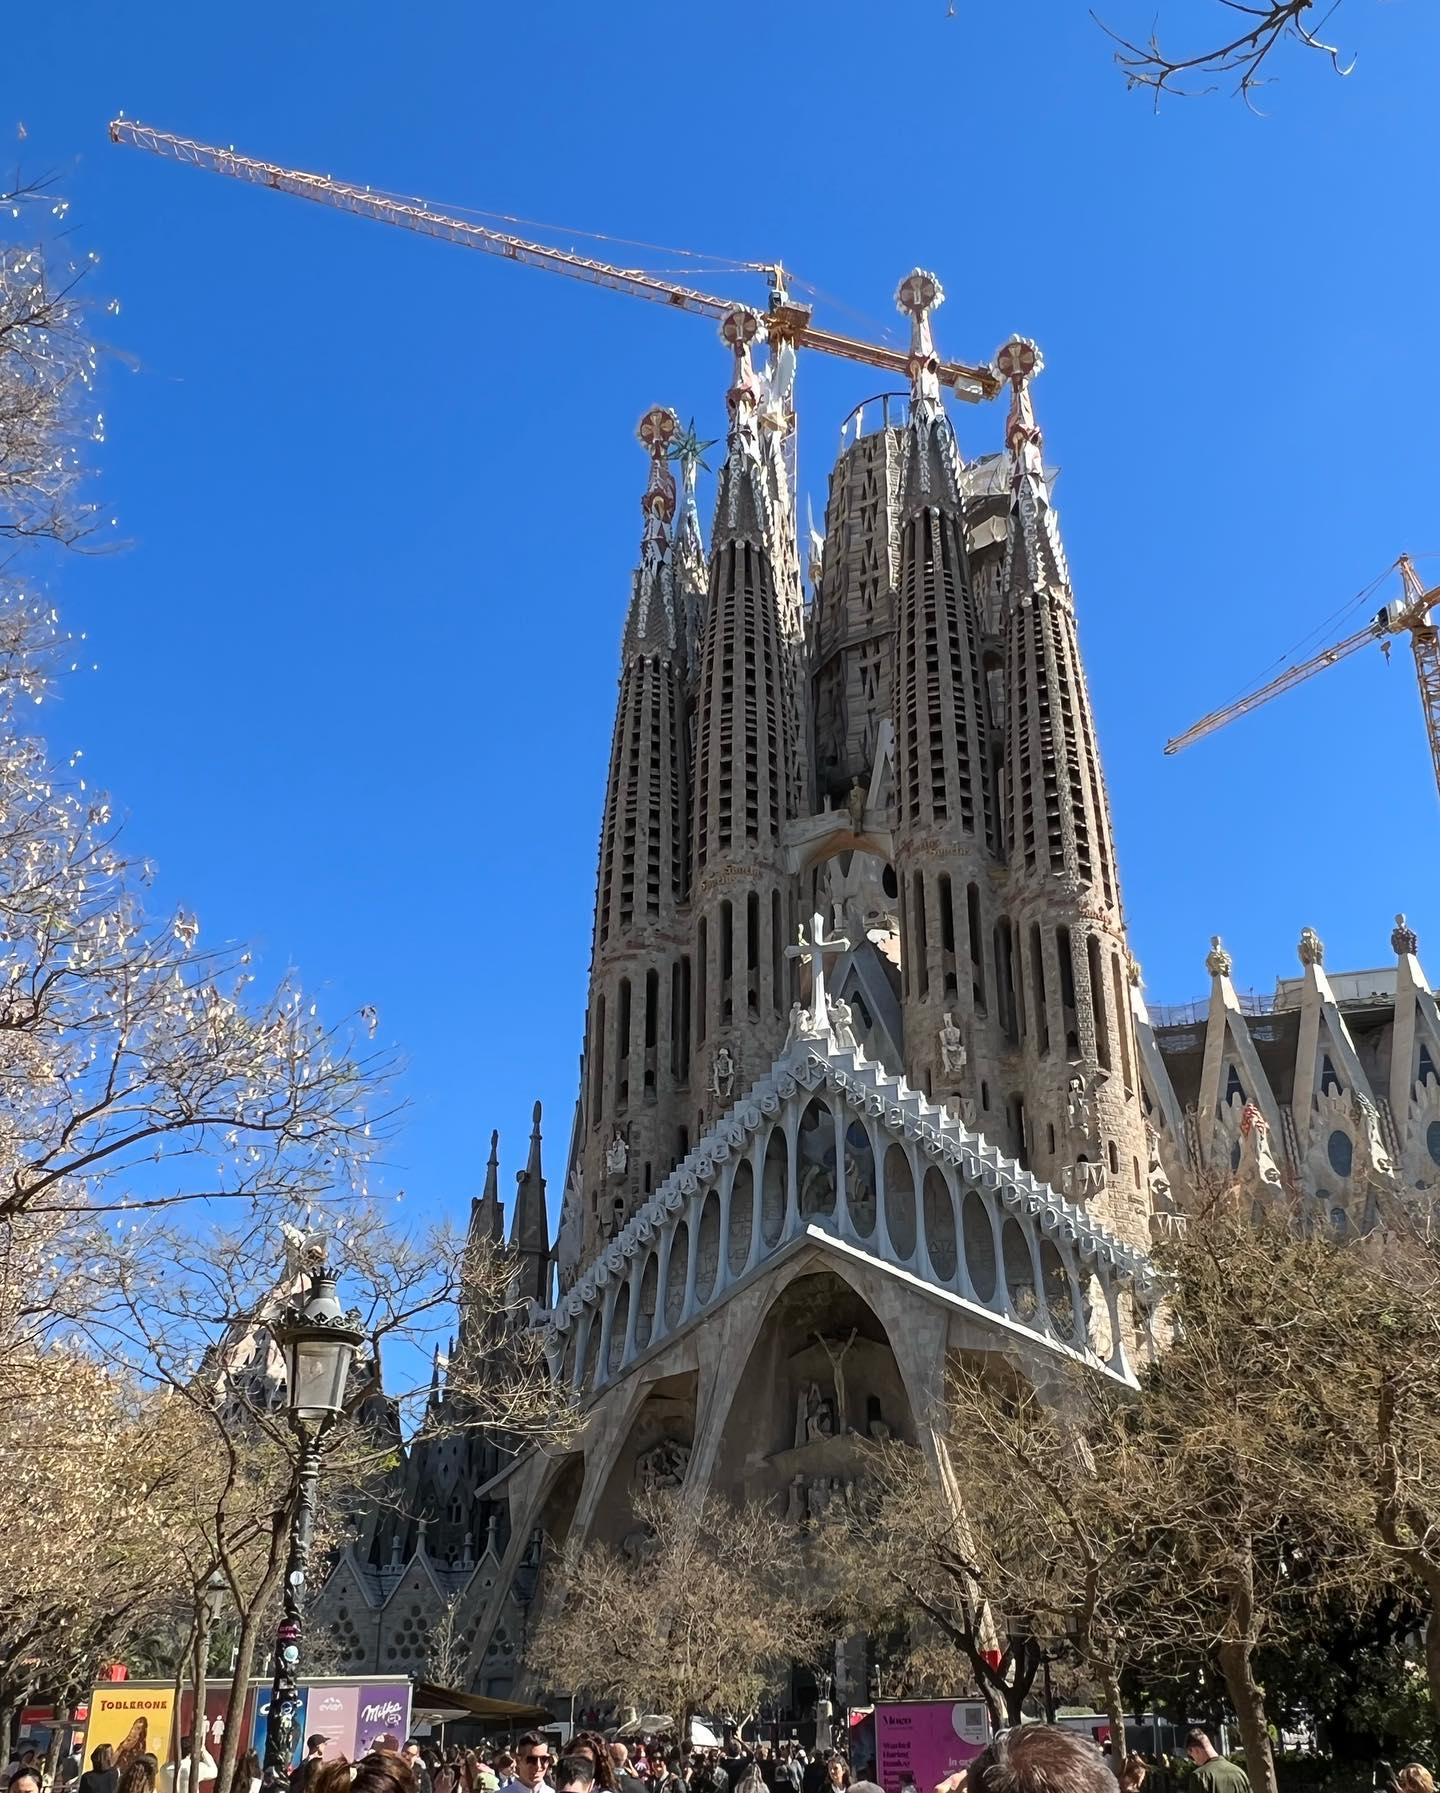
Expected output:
(171, 1782)
(532, 1762)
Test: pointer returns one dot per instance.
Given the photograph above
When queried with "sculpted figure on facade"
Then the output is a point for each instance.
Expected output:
(663, 1466)
(1077, 1107)
(855, 803)
(617, 1156)
(842, 1026)
(952, 1046)
(722, 1074)
(802, 1024)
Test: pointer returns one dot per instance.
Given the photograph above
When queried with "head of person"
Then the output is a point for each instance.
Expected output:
(532, 1759)
(505, 1765)
(1040, 1759)
(24, 1780)
(835, 1768)
(315, 1744)
(251, 1767)
(1199, 1748)
(1415, 1779)
(382, 1771)
(575, 1774)
(138, 1778)
(619, 1758)
(103, 1758)
(1132, 1776)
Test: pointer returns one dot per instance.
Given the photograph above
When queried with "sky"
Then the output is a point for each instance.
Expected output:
(378, 497)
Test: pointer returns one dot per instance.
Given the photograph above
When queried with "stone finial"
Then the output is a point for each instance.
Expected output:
(1217, 961)
(917, 295)
(1403, 938)
(656, 432)
(1311, 948)
(1019, 361)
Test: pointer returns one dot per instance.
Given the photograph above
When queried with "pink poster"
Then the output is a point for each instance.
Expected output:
(919, 1742)
(332, 1713)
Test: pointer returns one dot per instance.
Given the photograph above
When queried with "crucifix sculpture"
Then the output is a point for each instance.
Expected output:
(812, 952)
(837, 1365)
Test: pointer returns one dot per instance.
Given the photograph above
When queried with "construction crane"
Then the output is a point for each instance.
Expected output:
(783, 322)
(1410, 614)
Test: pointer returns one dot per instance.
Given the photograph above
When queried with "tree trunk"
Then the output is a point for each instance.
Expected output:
(1115, 1712)
(199, 1724)
(1248, 1698)
(245, 1644)
(178, 1693)
(1432, 1643)
(7, 1730)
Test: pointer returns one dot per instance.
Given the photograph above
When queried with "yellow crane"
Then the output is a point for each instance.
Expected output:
(1410, 614)
(784, 321)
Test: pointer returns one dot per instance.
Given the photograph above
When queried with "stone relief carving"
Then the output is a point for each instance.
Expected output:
(662, 1467)
(842, 1026)
(952, 1046)
(617, 1155)
(722, 1074)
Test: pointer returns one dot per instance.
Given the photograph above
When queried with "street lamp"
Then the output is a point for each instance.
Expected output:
(318, 1341)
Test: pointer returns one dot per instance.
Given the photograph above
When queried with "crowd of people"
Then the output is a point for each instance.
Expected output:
(1031, 1758)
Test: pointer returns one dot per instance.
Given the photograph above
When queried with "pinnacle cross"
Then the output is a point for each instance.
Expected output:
(656, 431)
(812, 953)
(1018, 361)
(918, 294)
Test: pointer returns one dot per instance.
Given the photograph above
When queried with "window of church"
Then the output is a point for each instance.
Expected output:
(1233, 1085)
(1114, 1159)
(1037, 985)
(977, 951)
(1425, 1068)
(1329, 1082)
(1098, 1006)
(1340, 1150)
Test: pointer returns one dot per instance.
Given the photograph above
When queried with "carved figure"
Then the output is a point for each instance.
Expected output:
(952, 1046)
(859, 1190)
(1077, 1106)
(1252, 1118)
(855, 803)
(722, 1074)
(837, 1365)
(1311, 948)
(663, 1466)
(802, 1023)
(842, 1025)
(795, 1508)
(617, 1155)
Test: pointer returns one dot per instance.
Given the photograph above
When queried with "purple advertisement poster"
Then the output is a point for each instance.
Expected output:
(384, 1712)
(926, 1740)
(332, 1713)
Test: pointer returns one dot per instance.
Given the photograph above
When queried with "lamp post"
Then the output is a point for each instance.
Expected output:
(318, 1341)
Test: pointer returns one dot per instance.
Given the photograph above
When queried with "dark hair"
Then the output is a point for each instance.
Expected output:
(315, 1738)
(600, 1749)
(1198, 1739)
(382, 1771)
(579, 1769)
(138, 1778)
(102, 1757)
(1040, 1759)
(24, 1774)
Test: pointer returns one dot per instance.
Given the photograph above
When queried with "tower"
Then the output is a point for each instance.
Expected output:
(1072, 960)
(637, 1037)
(948, 848)
(745, 752)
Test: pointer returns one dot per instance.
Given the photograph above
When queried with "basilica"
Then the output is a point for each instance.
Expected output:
(868, 1077)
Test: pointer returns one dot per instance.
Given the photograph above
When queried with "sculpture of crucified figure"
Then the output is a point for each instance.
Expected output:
(837, 1365)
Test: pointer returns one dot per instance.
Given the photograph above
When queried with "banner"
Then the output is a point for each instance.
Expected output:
(262, 1725)
(132, 1718)
(332, 1713)
(384, 1715)
(919, 1742)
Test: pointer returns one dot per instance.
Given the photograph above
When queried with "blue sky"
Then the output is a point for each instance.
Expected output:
(380, 496)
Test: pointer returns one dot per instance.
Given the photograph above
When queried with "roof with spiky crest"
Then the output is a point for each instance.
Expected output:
(651, 621)
(931, 474)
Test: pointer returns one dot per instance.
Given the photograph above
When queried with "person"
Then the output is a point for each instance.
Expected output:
(816, 1778)
(593, 1747)
(102, 1776)
(382, 1771)
(172, 1781)
(483, 1776)
(575, 1774)
(839, 1771)
(68, 1772)
(415, 1762)
(736, 1764)
(625, 1778)
(1214, 1773)
(532, 1758)
(150, 1762)
(1415, 1779)
(249, 1774)
(24, 1780)
(1036, 1758)
(310, 1763)
(1132, 1776)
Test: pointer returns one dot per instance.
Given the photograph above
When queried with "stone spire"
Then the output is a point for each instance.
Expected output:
(638, 1014)
(745, 760)
(487, 1217)
(688, 554)
(1069, 949)
(529, 1227)
(947, 834)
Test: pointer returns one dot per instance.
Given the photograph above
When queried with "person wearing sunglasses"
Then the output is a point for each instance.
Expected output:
(532, 1766)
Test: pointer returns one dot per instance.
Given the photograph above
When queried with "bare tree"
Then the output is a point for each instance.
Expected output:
(702, 1610)
(1242, 53)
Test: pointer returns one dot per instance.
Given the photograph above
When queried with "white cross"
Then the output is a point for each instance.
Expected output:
(813, 953)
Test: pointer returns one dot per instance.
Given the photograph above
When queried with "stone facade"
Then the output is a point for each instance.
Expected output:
(868, 1079)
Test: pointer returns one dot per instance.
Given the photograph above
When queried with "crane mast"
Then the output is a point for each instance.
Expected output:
(784, 321)
(1412, 615)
